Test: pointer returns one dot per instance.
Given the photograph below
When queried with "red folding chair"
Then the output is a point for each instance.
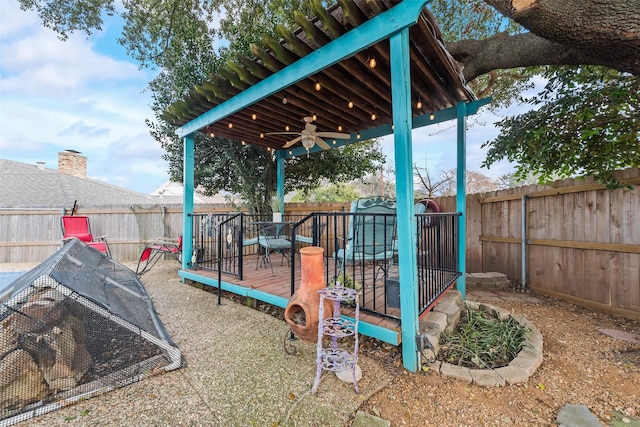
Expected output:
(155, 249)
(79, 227)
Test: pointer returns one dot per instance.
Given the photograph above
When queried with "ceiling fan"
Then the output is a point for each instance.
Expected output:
(309, 136)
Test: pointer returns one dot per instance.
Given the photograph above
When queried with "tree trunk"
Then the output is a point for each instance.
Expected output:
(562, 32)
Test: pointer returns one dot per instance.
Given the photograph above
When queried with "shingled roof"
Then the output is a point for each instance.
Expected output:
(28, 186)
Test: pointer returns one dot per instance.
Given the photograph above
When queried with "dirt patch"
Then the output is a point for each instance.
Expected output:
(581, 366)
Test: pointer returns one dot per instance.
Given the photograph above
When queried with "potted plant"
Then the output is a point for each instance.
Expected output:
(275, 209)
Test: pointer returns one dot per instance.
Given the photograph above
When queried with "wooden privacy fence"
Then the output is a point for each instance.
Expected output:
(582, 241)
(30, 235)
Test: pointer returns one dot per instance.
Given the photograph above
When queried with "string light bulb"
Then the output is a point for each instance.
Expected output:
(358, 135)
(317, 86)
(261, 135)
(350, 104)
(286, 128)
(334, 142)
(243, 142)
(284, 100)
(254, 116)
(432, 116)
(339, 128)
(372, 62)
(373, 116)
(314, 117)
(212, 135)
(419, 104)
(230, 125)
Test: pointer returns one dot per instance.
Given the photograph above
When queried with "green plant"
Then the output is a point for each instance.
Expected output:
(483, 341)
(345, 281)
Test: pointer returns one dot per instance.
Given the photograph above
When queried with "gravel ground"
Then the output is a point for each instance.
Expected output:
(237, 373)
(581, 366)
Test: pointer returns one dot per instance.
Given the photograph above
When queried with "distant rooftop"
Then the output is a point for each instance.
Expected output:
(27, 186)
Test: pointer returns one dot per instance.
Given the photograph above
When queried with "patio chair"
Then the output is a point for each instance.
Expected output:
(370, 235)
(418, 208)
(74, 226)
(274, 238)
(156, 249)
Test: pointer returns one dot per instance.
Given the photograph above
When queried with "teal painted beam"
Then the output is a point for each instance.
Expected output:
(374, 331)
(280, 180)
(188, 174)
(461, 198)
(371, 32)
(384, 130)
(406, 223)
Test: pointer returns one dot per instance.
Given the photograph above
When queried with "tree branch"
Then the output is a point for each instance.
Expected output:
(524, 50)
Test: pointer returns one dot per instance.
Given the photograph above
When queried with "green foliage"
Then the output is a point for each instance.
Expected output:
(346, 281)
(339, 192)
(483, 341)
(585, 122)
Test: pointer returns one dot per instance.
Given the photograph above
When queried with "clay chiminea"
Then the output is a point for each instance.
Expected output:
(301, 312)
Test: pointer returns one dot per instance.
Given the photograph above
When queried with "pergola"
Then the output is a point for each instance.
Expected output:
(325, 70)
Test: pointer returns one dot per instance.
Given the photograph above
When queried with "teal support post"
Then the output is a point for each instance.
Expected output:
(408, 271)
(461, 197)
(187, 201)
(280, 180)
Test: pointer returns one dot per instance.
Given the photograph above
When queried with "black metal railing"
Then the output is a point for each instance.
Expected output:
(361, 250)
(437, 255)
(217, 243)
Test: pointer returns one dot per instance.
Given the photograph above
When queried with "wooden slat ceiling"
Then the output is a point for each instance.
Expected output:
(437, 80)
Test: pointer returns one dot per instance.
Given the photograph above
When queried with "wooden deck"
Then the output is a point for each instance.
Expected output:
(259, 283)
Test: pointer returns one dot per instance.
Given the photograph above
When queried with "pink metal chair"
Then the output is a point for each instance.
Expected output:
(155, 249)
(74, 226)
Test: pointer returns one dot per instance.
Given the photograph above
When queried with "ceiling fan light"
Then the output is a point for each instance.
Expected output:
(308, 141)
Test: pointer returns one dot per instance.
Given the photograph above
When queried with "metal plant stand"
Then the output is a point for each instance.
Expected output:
(334, 358)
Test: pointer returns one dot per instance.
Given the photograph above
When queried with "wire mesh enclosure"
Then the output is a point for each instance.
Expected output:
(77, 325)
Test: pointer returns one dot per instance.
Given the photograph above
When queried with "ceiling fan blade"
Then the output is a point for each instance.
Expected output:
(322, 144)
(336, 135)
(293, 141)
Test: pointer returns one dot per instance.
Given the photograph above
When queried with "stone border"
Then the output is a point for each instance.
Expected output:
(445, 317)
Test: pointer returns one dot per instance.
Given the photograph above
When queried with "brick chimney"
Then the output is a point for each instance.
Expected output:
(72, 163)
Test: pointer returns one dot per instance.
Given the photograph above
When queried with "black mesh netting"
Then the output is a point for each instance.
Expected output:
(77, 325)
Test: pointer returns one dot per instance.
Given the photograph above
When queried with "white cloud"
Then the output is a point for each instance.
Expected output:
(67, 95)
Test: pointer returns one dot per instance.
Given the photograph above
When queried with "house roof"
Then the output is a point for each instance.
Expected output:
(172, 192)
(436, 80)
(23, 185)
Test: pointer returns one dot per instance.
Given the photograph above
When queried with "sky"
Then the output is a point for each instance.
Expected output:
(85, 94)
